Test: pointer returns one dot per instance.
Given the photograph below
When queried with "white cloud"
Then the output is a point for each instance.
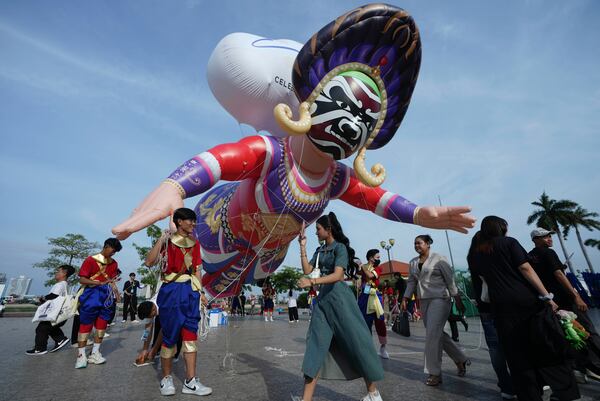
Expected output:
(166, 88)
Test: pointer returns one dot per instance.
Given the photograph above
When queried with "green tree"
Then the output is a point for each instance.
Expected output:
(286, 279)
(594, 243)
(149, 275)
(552, 215)
(582, 218)
(70, 249)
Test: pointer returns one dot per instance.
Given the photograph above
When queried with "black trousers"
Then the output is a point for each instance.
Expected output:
(243, 305)
(75, 329)
(129, 306)
(531, 357)
(45, 330)
(113, 312)
(293, 313)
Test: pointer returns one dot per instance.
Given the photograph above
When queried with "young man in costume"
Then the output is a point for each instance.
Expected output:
(97, 275)
(179, 300)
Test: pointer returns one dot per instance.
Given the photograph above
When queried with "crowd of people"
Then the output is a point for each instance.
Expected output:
(516, 293)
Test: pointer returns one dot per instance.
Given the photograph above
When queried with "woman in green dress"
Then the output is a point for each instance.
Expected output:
(338, 343)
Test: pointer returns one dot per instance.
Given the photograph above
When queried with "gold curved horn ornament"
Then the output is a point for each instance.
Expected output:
(372, 179)
(283, 116)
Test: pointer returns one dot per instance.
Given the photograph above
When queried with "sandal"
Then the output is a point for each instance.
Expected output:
(433, 380)
(462, 367)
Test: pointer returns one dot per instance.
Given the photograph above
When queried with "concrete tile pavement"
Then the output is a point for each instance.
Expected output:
(247, 360)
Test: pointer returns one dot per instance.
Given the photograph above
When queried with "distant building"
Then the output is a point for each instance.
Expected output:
(388, 268)
(18, 286)
(2, 284)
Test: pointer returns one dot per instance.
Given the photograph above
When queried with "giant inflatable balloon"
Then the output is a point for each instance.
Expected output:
(249, 75)
(352, 81)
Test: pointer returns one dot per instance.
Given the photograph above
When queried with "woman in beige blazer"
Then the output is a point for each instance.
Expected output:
(432, 277)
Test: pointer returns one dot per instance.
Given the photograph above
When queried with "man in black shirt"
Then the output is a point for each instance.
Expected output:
(551, 271)
(399, 286)
(243, 303)
(130, 298)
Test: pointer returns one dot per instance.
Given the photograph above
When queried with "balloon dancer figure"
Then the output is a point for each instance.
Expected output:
(354, 79)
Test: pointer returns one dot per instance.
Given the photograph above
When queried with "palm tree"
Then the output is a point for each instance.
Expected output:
(594, 243)
(551, 215)
(581, 217)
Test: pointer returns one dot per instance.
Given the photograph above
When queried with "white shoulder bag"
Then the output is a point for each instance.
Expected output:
(49, 310)
(316, 272)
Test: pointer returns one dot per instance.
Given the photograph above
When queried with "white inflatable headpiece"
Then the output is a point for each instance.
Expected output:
(249, 75)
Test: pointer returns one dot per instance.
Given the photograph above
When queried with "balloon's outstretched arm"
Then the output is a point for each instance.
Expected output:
(230, 162)
(379, 201)
(394, 207)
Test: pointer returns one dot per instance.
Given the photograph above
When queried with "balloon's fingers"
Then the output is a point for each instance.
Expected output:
(465, 220)
(459, 229)
(144, 219)
(458, 209)
(119, 233)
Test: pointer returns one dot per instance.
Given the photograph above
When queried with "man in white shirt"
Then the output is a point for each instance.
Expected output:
(46, 329)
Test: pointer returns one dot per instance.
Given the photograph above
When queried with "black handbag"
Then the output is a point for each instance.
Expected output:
(401, 325)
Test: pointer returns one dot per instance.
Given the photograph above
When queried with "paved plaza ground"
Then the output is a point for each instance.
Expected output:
(247, 360)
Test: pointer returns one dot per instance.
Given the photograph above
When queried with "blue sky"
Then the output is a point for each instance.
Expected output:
(102, 100)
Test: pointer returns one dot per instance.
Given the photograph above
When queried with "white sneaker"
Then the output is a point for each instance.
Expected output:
(506, 396)
(271, 318)
(81, 361)
(266, 319)
(296, 398)
(383, 352)
(135, 321)
(106, 335)
(373, 397)
(96, 358)
(60, 344)
(195, 387)
(166, 386)
(123, 321)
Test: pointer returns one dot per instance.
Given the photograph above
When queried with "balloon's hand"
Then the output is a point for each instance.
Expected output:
(161, 203)
(445, 217)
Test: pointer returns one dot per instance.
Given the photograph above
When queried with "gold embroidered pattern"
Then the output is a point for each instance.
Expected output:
(212, 220)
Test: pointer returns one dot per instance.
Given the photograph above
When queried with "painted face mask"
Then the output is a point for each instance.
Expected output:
(344, 114)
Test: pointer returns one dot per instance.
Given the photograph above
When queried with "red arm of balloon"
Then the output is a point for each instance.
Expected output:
(379, 201)
(242, 159)
(229, 161)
